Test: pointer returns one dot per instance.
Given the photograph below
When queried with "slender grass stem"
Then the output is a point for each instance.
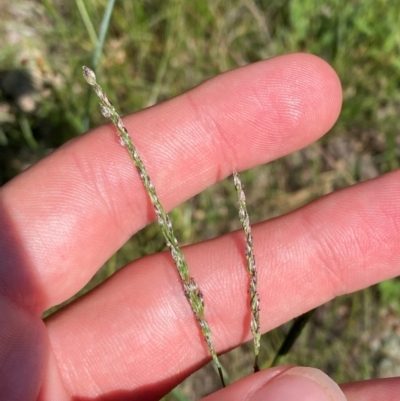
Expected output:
(87, 21)
(295, 330)
(99, 44)
(251, 269)
(103, 31)
(191, 289)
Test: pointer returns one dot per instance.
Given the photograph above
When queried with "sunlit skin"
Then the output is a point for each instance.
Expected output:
(135, 336)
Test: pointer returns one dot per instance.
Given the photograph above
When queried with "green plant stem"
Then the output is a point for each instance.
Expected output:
(27, 132)
(103, 31)
(192, 291)
(295, 330)
(97, 51)
(86, 20)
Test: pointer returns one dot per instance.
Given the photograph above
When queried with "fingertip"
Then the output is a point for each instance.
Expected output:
(308, 95)
(283, 384)
(328, 87)
(280, 105)
(300, 383)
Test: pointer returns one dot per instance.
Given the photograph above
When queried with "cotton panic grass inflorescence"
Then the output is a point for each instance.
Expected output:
(251, 269)
(191, 289)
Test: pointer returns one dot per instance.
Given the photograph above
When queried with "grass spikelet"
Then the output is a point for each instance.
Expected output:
(191, 289)
(251, 269)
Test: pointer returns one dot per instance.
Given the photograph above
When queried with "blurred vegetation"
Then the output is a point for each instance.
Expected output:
(155, 50)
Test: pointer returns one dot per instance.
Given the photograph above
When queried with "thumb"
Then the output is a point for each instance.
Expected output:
(283, 384)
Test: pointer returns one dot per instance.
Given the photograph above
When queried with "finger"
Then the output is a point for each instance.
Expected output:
(75, 208)
(28, 370)
(373, 390)
(141, 325)
(283, 384)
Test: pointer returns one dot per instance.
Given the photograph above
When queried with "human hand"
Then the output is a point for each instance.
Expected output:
(135, 337)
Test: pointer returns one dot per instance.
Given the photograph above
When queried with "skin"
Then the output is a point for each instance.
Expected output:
(135, 337)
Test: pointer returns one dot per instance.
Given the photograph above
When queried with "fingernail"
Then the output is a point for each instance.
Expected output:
(299, 384)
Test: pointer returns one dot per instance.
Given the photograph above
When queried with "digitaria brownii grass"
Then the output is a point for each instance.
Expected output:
(191, 290)
(251, 269)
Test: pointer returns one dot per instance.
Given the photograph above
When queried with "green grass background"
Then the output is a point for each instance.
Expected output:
(155, 50)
